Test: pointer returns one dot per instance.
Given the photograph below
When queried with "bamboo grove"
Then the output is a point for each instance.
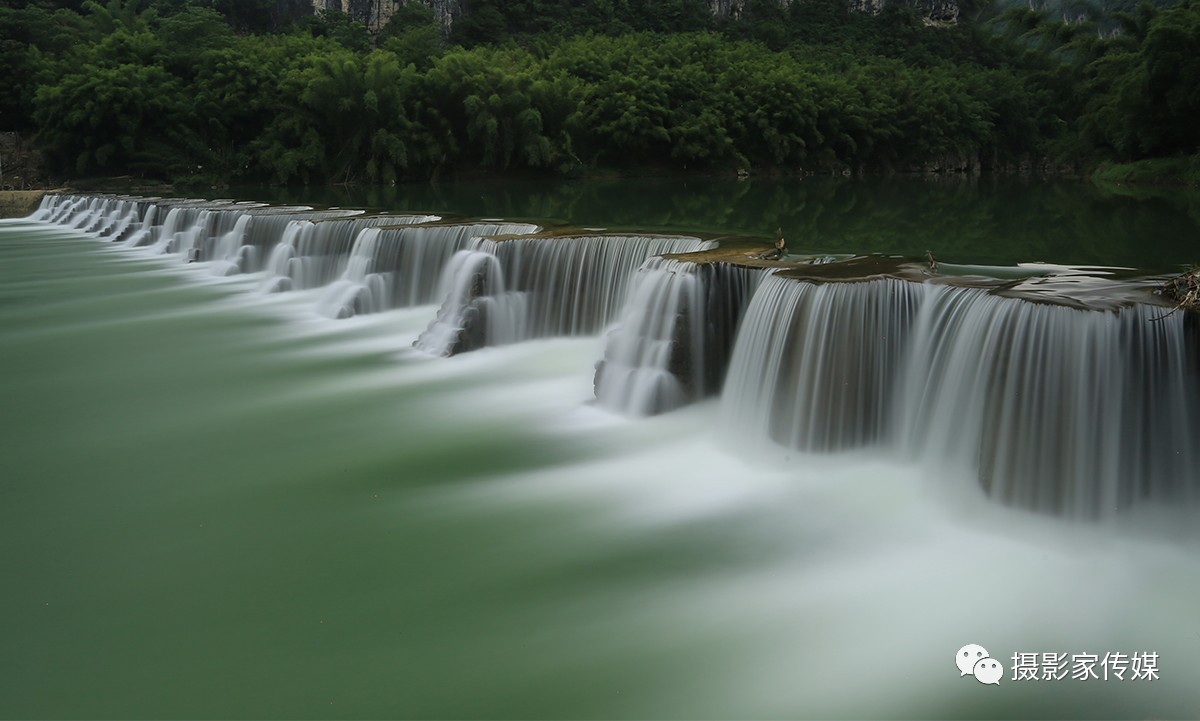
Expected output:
(201, 91)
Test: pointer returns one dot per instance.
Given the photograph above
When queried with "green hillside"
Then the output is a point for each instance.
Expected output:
(218, 91)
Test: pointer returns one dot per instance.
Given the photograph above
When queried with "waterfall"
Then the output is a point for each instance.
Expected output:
(163, 237)
(399, 267)
(44, 209)
(814, 363)
(470, 316)
(279, 264)
(232, 254)
(189, 241)
(83, 213)
(111, 218)
(126, 219)
(320, 248)
(65, 208)
(1066, 395)
(234, 237)
(318, 251)
(104, 216)
(267, 228)
(578, 285)
(1059, 409)
(551, 286)
(114, 218)
(359, 290)
(672, 343)
(140, 229)
(1064, 410)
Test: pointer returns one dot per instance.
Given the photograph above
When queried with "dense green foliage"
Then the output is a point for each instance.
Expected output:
(209, 89)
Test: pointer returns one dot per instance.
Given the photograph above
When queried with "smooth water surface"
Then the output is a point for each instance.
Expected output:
(216, 503)
(1000, 220)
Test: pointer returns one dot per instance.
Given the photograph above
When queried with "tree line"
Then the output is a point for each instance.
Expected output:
(212, 90)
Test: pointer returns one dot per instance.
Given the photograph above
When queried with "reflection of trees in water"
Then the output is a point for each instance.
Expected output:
(964, 220)
(989, 220)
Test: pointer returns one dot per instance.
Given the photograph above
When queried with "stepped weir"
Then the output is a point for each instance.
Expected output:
(1066, 392)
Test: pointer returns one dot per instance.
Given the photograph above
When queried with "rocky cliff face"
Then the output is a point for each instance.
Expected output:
(444, 10)
(377, 13)
(935, 12)
(733, 8)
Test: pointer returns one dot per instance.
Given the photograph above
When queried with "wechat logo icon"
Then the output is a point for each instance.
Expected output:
(974, 660)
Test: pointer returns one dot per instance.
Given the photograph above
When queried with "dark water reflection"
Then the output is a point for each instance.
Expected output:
(990, 220)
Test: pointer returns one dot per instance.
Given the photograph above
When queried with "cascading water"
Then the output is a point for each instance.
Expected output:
(233, 237)
(359, 290)
(683, 580)
(66, 209)
(231, 254)
(1061, 410)
(282, 253)
(198, 228)
(578, 285)
(44, 210)
(1067, 411)
(399, 267)
(672, 344)
(126, 219)
(815, 363)
(316, 253)
(468, 319)
(111, 218)
(175, 226)
(83, 213)
(552, 286)
(663, 326)
(265, 231)
(1070, 411)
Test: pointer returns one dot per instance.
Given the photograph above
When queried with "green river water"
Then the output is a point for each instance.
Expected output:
(218, 504)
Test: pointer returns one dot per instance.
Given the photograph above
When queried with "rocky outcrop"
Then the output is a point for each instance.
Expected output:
(444, 10)
(733, 8)
(934, 12)
(376, 13)
(871, 7)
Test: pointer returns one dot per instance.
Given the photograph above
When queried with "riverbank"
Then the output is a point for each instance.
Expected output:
(1182, 172)
(19, 203)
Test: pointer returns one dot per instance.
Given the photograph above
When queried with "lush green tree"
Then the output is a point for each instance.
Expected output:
(237, 92)
(504, 108)
(484, 23)
(262, 16)
(188, 35)
(191, 88)
(338, 27)
(1172, 76)
(413, 35)
(112, 118)
(31, 37)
